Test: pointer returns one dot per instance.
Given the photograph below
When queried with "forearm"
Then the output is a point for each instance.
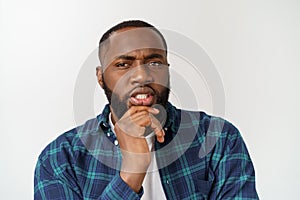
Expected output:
(133, 180)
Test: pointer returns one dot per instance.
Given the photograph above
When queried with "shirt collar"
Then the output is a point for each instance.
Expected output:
(102, 118)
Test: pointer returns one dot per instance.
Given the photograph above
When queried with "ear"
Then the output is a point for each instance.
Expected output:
(99, 71)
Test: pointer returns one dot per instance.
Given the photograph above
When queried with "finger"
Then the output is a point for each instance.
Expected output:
(143, 120)
(156, 126)
(139, 114)
(151, 121)
(140, 118)
(159, 132)
(135, 109)
(131, 130)
(135, 124)
(160, 136)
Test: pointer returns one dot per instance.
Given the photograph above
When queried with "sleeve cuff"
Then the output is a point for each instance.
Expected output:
(118, 189)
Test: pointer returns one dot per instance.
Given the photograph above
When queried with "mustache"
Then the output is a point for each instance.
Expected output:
(127, 95)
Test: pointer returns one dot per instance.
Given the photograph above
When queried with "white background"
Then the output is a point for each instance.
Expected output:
(254, 45)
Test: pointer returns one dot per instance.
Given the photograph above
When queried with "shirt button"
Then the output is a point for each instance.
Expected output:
(168, 182)
(108, 134)
(116, 142)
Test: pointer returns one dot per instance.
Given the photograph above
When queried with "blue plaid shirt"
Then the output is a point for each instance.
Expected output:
(202, 157)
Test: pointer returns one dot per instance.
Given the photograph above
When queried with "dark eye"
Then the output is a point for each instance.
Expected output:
(122, 65)
(155, 64)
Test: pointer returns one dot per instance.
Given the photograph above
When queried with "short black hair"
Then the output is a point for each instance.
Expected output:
(127, 24)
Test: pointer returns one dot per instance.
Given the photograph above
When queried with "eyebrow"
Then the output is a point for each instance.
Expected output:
(154, 55)
(127, 57)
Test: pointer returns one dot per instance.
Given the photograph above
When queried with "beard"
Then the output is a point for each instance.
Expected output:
(119, 106)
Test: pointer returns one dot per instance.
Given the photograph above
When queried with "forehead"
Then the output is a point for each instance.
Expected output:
(131, 40)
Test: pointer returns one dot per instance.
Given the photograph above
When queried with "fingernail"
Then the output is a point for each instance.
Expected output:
(155, 110)
(162, 139)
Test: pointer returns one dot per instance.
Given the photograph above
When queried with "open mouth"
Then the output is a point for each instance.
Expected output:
(142, 96)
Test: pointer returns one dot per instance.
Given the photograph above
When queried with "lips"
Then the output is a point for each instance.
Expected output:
(142, 96)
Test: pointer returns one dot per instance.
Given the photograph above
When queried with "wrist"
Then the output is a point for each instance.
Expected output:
(133, 180)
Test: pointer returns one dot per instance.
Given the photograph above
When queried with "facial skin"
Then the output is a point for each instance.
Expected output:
(134, 66)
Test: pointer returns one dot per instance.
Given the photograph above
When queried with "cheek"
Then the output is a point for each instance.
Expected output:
(162, 79)
(162, 84)
(109, 82)
(116, 83)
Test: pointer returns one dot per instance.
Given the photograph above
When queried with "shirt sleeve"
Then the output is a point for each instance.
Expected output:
(234, 176)
(49, 186)
(118, 189)
(59, 182)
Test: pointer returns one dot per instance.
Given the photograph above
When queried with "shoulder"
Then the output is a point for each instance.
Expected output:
(208, 124)
(63, 152)
(212, 131)
(216, 138)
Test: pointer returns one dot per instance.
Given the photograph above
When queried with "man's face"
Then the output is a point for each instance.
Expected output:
(134, 69)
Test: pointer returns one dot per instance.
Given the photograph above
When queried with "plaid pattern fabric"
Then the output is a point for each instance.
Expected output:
(203, 157)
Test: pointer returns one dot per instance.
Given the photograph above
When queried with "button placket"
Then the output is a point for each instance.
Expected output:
(116, 142)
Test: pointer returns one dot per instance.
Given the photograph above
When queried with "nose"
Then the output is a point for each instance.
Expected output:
(141, 75)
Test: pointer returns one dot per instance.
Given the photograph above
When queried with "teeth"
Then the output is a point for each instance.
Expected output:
(141, 96)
